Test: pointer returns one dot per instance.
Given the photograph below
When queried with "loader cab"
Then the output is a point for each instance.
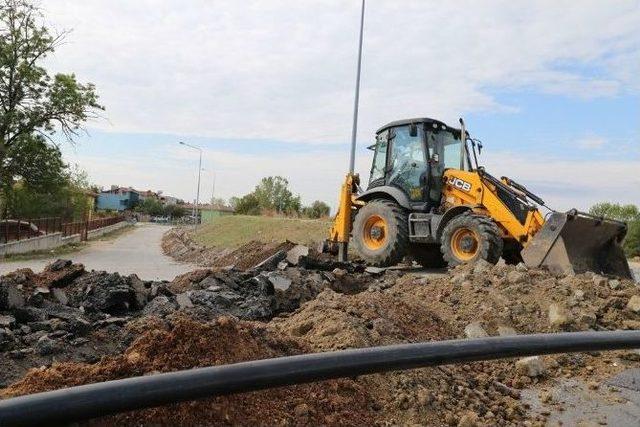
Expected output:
(412, 155)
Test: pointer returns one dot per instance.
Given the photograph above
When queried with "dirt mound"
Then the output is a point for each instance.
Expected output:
(336, 321)
(527, 300)
(179, 244)
(471, 301)
(321, 308)
(251, 254)
(185, 344)
(429, 396)
(67, 313)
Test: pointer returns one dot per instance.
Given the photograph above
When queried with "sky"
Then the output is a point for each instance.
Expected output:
(552, 88)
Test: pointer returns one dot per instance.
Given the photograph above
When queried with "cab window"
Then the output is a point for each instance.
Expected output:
(379, 157)
(407, 162)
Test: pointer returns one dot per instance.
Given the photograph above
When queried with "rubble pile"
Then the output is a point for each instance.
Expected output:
(505, 299)
(182, 343)
(67, 313)
(178, 244)
(294, 301)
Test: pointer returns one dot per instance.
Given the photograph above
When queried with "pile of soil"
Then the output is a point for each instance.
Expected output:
(472, 301)
(528, 300)
(185, 323)
(67, 313)
(425, 396)
(178, 244)
(184, 344)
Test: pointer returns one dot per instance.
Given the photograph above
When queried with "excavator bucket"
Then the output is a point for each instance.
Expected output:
(575, 242)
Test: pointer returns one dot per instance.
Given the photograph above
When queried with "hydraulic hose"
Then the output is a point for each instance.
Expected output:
(95, 400)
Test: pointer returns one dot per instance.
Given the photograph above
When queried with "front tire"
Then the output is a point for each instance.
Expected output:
(381, 233)
(470, 237)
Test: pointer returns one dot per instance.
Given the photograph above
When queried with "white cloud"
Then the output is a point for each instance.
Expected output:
(285, 69)
(566, 184)
(591, 142)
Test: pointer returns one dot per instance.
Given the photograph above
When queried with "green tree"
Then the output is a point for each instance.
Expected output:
(616, 211)
(248, 205)
(628, 213)
(632, 242)
(35, 105)
(174, 211)
(318, 209)
(37, 165)
(150, 206)
(273, 194)
(69, 200)
(233, 202)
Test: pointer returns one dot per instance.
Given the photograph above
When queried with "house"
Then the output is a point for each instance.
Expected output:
(143, 195)
(168, 200)
(208, 213)
(118, 199)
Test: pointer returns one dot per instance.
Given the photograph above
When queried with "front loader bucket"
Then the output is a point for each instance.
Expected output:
(575, 242)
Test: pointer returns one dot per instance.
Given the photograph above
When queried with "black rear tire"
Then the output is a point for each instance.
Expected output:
(428, 256)
(391, 221)
(470, 237)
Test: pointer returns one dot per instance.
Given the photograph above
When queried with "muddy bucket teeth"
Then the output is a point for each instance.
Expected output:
(576, 242)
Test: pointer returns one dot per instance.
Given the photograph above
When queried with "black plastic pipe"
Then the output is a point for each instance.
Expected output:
(95, 400)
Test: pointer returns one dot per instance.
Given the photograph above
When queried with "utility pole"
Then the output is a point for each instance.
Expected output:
(354, 129)
(345, 194)
(196, 210)
(213, 188)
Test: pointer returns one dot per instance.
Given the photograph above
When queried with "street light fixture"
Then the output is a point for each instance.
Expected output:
(195, 219)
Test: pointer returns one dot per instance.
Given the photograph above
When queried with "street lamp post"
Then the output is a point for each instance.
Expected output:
(195, 219)
(213, 187)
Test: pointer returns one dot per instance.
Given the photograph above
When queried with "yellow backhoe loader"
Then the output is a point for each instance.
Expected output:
(428, 198)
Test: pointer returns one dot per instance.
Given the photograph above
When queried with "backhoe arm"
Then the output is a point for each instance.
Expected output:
(341, 228)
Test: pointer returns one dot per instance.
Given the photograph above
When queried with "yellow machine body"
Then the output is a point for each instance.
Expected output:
(501, 209)
(463, 188)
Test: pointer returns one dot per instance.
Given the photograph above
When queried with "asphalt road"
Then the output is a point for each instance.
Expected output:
(137, 251)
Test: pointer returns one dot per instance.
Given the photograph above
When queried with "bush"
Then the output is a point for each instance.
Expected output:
(248, 205)
(632, 242)
(628, 213)
(174, 211)
(318, 209)
(151, 207)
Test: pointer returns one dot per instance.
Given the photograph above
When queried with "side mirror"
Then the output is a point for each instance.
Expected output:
(479, 148)
(435, 158)
(413, 130)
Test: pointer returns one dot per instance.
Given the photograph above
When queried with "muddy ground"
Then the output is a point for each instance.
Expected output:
(66, 326)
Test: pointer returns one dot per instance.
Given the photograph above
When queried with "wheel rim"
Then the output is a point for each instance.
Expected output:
(465, 244)
(375, 232)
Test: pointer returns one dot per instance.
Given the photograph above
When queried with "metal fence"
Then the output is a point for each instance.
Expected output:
(26, 228)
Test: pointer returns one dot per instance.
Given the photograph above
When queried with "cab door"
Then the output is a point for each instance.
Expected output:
(407, 162)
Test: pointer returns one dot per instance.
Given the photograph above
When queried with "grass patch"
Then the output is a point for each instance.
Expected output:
(235, 230)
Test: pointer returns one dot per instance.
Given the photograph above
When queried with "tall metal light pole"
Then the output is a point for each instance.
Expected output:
(343, 217)
(195, 219)
(213, 187)
(354, 129)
